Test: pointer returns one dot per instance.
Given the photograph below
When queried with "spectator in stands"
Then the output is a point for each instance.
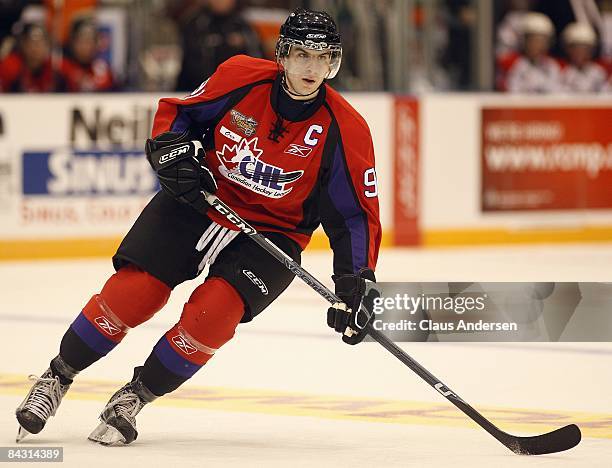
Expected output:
(83, 70)
(581, 74)
(29, 68)
(533, 71)
(509, 33)
(214, 33)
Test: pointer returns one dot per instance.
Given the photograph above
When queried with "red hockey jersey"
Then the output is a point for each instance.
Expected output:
(318, 170)
(95, 77)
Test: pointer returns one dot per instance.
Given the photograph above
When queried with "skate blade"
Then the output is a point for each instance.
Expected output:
(21, 434)
(106, 435)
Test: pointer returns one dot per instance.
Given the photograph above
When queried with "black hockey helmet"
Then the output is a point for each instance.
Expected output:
(312, 30)
(316, 26)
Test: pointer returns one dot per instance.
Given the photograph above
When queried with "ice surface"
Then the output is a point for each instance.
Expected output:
(286, 392)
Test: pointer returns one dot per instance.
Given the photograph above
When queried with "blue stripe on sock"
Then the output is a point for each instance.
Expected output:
(172, 361)
(92, 336)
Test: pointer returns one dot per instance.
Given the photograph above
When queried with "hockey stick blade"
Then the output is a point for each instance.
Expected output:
(558, 440)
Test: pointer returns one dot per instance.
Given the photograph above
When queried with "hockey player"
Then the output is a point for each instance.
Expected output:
(533, 71)
(287, 153)
(581, 74)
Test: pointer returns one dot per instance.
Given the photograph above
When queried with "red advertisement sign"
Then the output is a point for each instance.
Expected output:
(546, 158)
(406, 172)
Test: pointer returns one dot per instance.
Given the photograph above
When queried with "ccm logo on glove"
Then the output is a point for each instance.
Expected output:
(173, 154)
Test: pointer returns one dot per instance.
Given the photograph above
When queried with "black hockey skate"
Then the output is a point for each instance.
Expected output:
(40, 404)
(118, 418)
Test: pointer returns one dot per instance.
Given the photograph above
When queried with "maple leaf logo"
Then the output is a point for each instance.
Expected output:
(231, 156)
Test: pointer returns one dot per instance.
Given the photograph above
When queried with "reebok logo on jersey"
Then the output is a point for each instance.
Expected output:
(107, 326)
(298, 150)
(183, 345)
(246, 124)
(256, 281)
(241, 164)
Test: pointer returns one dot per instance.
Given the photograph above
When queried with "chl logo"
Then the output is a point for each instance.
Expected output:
(183, 345)
(107, 326)
(241, 163)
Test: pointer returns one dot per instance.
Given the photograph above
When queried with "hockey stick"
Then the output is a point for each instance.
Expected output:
(551, 442)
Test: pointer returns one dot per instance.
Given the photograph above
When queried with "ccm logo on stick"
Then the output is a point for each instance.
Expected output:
(231, 217)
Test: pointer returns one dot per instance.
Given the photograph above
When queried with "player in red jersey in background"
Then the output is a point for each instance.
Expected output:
(82, 69)
(287, 153)
(28, 69)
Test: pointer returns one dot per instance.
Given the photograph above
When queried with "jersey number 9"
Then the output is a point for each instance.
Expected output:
(369, 180)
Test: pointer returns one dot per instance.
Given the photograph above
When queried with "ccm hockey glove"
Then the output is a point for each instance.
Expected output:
(179, 164)
(349, 317)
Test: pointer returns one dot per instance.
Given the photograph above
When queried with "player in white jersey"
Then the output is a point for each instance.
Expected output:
(534, 71)
(581, 74)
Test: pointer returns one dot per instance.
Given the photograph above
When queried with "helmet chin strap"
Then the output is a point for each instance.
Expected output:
(291, 93)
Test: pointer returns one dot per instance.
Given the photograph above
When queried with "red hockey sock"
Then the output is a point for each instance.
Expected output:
(208, 321)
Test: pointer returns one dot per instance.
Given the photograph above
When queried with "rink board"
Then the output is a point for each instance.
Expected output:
(72, 185)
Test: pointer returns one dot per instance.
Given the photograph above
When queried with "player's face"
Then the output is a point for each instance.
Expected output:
(579, 54)
(84, 46)
(306, 69)
(536, 45)
(35, 51)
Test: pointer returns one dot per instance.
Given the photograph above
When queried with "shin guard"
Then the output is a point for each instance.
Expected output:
(208, 321)
(130, 297)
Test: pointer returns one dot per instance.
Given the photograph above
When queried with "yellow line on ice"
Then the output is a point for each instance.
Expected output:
(522, 421)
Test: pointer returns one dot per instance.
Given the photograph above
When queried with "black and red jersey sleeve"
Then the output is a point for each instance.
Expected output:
(349, 199)
(206, 104)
